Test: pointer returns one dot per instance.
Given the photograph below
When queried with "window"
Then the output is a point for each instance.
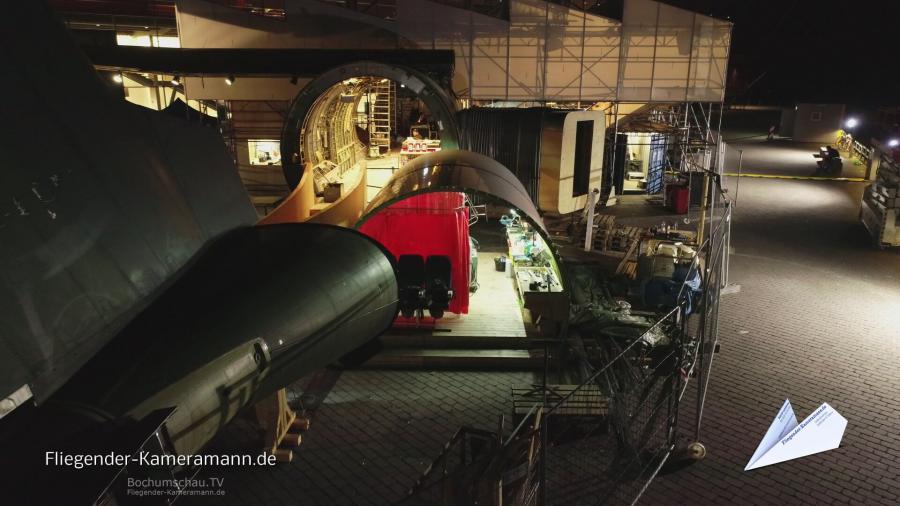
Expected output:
(815, 116)
(584, 141)
(264, 152)
(145, 39)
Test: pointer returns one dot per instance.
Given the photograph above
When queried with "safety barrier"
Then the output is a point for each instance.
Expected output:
(861, 151)
(612, 459)
(603, 439)
(846, 142)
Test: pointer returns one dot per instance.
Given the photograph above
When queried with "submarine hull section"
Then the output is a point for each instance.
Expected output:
(257, 310)
(281, 300)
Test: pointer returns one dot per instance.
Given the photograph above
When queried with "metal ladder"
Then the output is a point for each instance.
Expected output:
(381, 115)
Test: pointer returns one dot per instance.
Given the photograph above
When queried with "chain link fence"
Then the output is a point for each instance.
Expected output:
(604, 420)
(608, 437)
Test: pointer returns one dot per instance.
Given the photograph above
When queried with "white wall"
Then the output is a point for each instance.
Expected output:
(556, 187)
(672, 55)
(546, 52)
(817, 122)
(308, 24)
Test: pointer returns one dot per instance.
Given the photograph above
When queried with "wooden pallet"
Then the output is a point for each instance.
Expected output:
(628, 265)
(885, 196)
(605, 228)
(888, 192)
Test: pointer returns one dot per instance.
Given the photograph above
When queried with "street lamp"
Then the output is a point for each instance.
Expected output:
(851, 123)
(893, 143)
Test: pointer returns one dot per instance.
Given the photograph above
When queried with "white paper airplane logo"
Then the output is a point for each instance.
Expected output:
(786, 439)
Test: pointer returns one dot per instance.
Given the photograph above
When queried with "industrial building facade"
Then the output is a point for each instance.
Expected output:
(320, 186)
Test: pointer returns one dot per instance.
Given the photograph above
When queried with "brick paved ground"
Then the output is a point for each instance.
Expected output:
(817, 319)
(371, 438)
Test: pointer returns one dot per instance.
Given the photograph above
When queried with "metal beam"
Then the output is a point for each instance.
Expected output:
(259, 62)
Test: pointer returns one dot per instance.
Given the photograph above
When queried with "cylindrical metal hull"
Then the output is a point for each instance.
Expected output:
(280, 301)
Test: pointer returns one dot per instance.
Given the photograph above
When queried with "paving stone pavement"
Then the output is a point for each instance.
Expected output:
(817, 320)
(371, 438)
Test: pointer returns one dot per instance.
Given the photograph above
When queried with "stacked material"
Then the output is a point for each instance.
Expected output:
(880, 205)
(606, 226)
(624, 238)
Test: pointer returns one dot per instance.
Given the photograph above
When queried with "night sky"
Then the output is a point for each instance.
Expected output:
(806, 50)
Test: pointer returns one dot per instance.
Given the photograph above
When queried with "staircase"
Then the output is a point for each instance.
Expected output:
(381, 116)
(413, 349)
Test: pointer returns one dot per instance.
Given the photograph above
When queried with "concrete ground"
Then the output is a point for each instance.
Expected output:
(817, 319)
(781, 157)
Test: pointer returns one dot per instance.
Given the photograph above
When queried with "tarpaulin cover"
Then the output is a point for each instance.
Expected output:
(429, 224)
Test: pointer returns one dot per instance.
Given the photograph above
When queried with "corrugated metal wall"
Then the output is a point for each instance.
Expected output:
(510, 136)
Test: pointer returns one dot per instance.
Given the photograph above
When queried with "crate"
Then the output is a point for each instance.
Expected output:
(333, 192)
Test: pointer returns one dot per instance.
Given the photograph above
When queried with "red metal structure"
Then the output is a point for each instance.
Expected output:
(429, 224)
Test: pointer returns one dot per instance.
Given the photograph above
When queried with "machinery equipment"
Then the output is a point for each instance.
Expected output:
(830, 162)
(438, 283)
(424, 284)
(411, 282)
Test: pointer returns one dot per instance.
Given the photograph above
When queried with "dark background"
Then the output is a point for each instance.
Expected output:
(784, 51)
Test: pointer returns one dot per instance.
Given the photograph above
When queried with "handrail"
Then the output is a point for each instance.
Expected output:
(863, 152)
(457, 436)
(611, 362)
(695, 264)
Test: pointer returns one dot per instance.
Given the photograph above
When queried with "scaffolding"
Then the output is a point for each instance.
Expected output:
(605, 418)
(606, 434)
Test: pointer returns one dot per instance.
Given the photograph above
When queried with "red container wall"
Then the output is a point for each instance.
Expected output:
(679, 198)
(429, 224)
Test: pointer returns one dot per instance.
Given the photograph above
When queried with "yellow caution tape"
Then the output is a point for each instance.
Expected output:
(815, 178)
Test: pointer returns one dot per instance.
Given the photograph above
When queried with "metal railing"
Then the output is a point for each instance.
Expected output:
(853, 147)
(604, 439)
(597, 460)
(861, 151)
(612, 459)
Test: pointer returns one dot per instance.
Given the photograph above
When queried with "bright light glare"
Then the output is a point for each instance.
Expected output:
(893, 143)
(852, 122)
(117, 78)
